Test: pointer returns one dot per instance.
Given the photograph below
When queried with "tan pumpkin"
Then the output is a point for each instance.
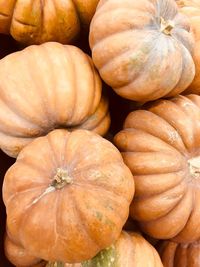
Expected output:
(45, 87)
(161, 146)
(142, 49)
(39, 21)
(67, 196)
(191, 8)
(180, 255)
(130, 250)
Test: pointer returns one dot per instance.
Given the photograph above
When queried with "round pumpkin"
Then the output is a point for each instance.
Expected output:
(131, 249)
(161, 146)
(180, 255)
(35, 21)
(142, 49)
(191, 8)
(67, 196)
(45, 87)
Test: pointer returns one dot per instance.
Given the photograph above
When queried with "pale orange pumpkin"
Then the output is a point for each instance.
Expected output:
(142, 49)
(36, 21)
(67, 196)
(191, 8)
(161, 146)
(45, 87)
(130, 250)
(180, 255)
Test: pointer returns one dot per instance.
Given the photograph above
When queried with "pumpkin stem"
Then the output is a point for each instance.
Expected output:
(61, 179)
(166, 26)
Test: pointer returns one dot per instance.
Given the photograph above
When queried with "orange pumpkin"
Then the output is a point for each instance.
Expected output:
(45, 87)
(142, 49)
(191, 8)
(19, 255)
(75, 188)
(180, 255)
(131, 249)
(35, 21)
(161, 146)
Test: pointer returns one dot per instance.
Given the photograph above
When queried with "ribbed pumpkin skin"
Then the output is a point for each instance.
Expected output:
(130, 250)
(161, 146)
(134, 56)
(99, 121)
(39, 21)
(45, 87)
(19, 256)
(82, 217)
(191, 8)
(180, 255)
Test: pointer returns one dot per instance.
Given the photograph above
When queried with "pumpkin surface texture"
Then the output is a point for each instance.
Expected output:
(19, 256)
(39, 21)
(180, 255)
(161, 146)
(130, 250)
(45, 87)
(191, 8)
(75, 188)
(145, 53)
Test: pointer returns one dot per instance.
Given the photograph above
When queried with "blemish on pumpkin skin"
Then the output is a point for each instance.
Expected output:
(99, 215)
(154, 72)
(173, 137)
(99, 175)
(109, 222)
(108, 206)
(138, 58)
(145, 49)
(104, 219)
(88, 206)
(105, 258)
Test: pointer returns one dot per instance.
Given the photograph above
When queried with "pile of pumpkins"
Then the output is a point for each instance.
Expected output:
(85, 189)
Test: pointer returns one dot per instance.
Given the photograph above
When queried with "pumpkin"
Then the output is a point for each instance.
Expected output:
(180, 255)
(191, 8)
(36, 22)
(161, 146)
(75, 188)
(19, 255)
(99, 121)
(131, 249)
(142, 49)
(45, 87)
